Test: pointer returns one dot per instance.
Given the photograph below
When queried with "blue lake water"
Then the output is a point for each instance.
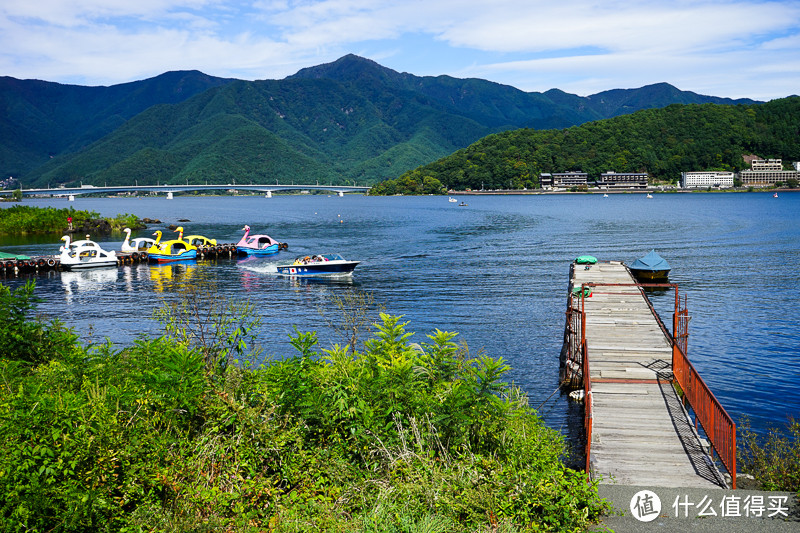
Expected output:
(495, 271)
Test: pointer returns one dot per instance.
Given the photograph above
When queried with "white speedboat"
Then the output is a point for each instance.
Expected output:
(85, 254)
(452, 200)
(318, 265)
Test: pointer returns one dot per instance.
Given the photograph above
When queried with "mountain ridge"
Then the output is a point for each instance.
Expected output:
(349, 119)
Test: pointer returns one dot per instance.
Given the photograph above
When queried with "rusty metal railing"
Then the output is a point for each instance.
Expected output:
(588, 407)
(717, 424)
(575, 369)
(573, 358)
(715, 421)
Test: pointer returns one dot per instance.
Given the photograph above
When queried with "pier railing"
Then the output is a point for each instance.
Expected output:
(715, 421)
(717, 424)
(575, 362)
(588, 414)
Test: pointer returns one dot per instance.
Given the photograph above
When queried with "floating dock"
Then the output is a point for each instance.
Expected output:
(650, 419)
(40, 264)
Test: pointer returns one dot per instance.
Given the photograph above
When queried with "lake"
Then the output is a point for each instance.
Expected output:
(496, 271)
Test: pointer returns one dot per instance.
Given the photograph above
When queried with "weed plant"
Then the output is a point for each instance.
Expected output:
(159, 436)
(772, 459)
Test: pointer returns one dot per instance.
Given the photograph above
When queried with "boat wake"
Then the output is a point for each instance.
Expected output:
(259, 267)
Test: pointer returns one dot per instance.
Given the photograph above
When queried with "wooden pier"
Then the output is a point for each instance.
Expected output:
(639, 431)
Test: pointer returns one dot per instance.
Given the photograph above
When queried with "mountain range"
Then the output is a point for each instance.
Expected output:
(349, 120)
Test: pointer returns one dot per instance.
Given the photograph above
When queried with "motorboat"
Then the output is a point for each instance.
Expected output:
(83, 254)
(318, 265)
(258, 244)
(651, 267)
(139, 244)
(775, 195)
(172, 250)
(452, 200)
(649, 195)
(462, 204)
(605, 195)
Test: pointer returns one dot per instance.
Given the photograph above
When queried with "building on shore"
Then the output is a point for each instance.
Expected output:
(766, 173)
(565, 180)
(623, 180)
(708, 178)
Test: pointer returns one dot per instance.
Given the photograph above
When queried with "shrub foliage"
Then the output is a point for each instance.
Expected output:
(160, 436)
(27, 219)
(773, 459)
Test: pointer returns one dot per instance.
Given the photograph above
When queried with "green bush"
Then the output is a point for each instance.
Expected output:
(772, 459)
(28, 219)
(160, 436)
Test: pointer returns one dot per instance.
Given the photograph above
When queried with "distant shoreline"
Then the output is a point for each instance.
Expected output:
(503, 192)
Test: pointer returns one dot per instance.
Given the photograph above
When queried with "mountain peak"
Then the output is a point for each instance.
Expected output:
(348, 68)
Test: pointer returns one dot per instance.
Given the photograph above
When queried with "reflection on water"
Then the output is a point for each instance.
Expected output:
(83, 281)
(168, 276)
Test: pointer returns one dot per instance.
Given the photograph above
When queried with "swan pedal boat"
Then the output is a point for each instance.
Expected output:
(318, 265)
(258, 244)
(200, 241)
(139, 244)
(85, 254)
(172, 250)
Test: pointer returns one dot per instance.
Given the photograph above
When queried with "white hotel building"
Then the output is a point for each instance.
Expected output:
(765, 173)
(704, 179)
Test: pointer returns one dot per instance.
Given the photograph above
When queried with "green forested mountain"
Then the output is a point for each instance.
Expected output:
(39, 119)
(663, 142)
(347, 120)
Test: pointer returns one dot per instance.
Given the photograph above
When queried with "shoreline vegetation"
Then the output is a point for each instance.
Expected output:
(185, 432)
(21, 219)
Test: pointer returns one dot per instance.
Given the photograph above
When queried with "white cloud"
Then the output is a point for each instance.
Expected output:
(535, 45)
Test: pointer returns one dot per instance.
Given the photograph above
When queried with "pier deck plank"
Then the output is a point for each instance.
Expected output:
(641, 434)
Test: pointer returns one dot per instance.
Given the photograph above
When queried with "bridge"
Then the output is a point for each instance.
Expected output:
(169, 190)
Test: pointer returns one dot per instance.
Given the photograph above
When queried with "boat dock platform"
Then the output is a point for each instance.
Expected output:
(23, 265)
(639, 429)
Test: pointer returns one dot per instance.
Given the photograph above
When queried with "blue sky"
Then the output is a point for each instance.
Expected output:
(725, 48)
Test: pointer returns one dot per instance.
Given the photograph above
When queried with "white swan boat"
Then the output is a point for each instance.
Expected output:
(139, 244)
(84, 254)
